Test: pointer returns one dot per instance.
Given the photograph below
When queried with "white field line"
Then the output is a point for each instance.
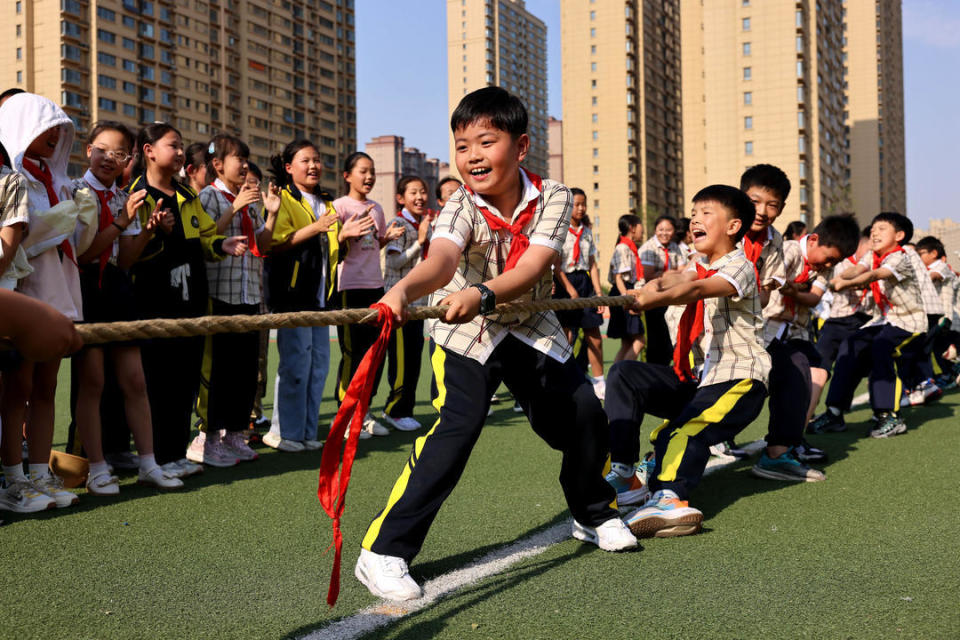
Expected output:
(386, 612)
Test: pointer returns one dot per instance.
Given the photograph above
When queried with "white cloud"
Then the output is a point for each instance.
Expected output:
(935, 23)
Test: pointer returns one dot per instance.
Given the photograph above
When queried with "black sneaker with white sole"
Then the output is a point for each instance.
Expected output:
(806, 452)
(827, 421)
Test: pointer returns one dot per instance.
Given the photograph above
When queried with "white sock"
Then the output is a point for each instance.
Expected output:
(147, 462)
(622, 470)
(598, 379)
(38, 470)
(14, 472)
(834, 411)
(96, 468)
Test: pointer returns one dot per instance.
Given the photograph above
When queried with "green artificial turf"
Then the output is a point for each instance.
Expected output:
(870, 553)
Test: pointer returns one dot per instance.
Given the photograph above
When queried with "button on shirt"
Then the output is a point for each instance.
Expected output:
(484, 255)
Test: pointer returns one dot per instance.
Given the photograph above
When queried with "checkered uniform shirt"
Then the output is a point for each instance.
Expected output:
(651, 255)
(848, 302)
(731, 347)
(234, 280)
(779, 321)
(903, 292)
(116, 203)
(403, 254)
(928, 293)
(625, 263)
(588, 249)
(484, 255)
(947, 288)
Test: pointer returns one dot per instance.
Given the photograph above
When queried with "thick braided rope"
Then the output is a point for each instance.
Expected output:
(100, 333)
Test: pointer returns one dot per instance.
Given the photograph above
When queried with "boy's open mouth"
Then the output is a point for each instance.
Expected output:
(479, 172)
(698, 233)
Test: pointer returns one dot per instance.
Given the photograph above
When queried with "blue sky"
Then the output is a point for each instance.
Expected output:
(402, 85)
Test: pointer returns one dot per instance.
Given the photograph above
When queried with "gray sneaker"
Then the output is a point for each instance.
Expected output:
(889, 425)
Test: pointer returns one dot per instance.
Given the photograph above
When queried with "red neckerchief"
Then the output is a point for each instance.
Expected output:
(106, 219)
(406, 215)
(334, 475)
(666, 258)
(883, 303)
(691, 326)
(789, 303)
(520, 241)
(42, 173)
(246, 223)
(636, 256)
(753, 247)
(576, 245)
(852, 259)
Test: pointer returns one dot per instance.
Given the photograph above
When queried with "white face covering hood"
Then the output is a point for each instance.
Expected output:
(23, 117)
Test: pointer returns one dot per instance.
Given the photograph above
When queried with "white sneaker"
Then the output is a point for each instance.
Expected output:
(406, 423)
(373, 427)
(103, 484)
(20, 496)
(517, 408)
(53, 487)
(174, 469)
(273, 439)
(312, 445)
(386, 576)
(208, 448)
(159, 479)
(364, 434)
(237, 445)
(600, 387)
(612, 535)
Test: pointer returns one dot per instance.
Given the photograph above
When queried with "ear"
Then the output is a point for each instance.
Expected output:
(523, 147)
(288, 167)
(899, 236)
(399, 198)
(814, 238)
(89, 150)
(217, 165)
(734, 226)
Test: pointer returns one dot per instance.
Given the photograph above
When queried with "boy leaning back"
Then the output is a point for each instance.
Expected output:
(726, 387)
(506, 226)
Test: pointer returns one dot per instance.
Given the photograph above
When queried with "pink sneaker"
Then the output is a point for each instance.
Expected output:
(235, 444)
(209, 449)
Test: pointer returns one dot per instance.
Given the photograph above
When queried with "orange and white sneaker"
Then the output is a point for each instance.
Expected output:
(629, 484)
(664, 515)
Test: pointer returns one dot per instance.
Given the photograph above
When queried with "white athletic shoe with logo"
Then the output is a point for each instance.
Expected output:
(53, 487)
(373, 427)
(406, 423)
(20, 496)
(612, 535)
(386, 576)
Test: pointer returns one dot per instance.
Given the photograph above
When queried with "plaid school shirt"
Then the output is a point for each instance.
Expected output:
(902, 290)
(849, 301)
(403, 253)
(652, 255)
(625, 263)
(770, 267)
(116, 204)
(588, 249)
(484, 253)
(13, 210)
(947, 288)
(929, 295)
(781, 321)
(235, 279)
(731, 346)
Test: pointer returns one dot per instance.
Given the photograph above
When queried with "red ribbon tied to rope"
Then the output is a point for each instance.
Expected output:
(334, 474)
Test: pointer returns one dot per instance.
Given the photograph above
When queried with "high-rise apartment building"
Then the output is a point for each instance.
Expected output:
(500, 43)
(873, 77)
(393, 161)
(266, 71)
(555, 149)
(622, 136)
(763, 83)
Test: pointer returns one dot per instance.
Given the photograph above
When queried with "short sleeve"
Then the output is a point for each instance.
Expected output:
(740, 274)
(649, 257)
(455, 220)
(210, 201)
(620, 262)
(13, 205)
(899, 264)
(550, 227)
(866, 260)
(773, 268)
(820, 283)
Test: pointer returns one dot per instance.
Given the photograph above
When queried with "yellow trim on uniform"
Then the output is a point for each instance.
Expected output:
(578, 343)
(399, 367)
(711, 415)
(206, 369)
(293, 278)
(438, 360)
(606, 471)
(656, 432)
(898, 384)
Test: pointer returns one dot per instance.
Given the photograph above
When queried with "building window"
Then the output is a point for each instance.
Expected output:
(800, 44)
(799, 68)
(746, 24)
(593, 101)
(596, 135)
(800, 120)
(748, 148)
(746, 48)
(593, 48)
(593, 15)
(129, 44)
(107, 59)
(107, 105)
(129, 110)
(748, 97)
(747, 73)
(594, 117)
(596, 169)
(19, 53)
(129, 87)
(19, 77)
(593, 32)
(748, 122)
(596, 152)
(800, 94)
(593, 84)
(106, 36)
(596, 186)
(106, 14)
(107, 81)
(593, 66)
(802, 144)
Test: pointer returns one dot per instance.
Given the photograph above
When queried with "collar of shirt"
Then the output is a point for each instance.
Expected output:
(219, 184)
(803, 246)
(408, 217)
(725, 258)
(92, 180)
(529, 193)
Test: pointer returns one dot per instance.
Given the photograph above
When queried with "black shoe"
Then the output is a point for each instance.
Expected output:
(827, 421)
(736, 450)
(806, 452)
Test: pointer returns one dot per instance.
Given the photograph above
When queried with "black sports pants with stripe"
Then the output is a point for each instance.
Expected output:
(695, 419)
(562, 408)
(791, 387)
(355, 339)
(404, 354)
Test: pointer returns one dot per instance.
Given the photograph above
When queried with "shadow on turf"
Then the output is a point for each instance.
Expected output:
(462, 599)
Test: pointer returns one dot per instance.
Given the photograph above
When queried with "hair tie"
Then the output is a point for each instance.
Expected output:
(212, 147)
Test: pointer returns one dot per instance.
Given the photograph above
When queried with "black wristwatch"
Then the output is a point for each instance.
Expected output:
(488, 299)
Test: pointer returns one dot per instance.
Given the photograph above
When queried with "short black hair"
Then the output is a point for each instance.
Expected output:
(255, 170)
(12, 91)
(499, 107)
(577, 191)
(443, 182)
(666, 218)
(794, 230)
(931, 243)
(766, 176)
(733, 199)
(840, 231)
(866, 231)
(899, 222)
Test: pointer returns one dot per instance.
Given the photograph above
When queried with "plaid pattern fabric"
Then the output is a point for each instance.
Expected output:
(847, 302)
(948, 289)
(625, 263)
(929, 295)
(588, 249)
(770, 266)
(402, 255)
(779, 321)
(484, 255)
(903, 292)
(234, 280)
(651, 255)
(13, 198)
(731, 347)
(116, 204)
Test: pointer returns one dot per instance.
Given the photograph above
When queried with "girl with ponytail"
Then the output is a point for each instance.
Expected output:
(625, 274)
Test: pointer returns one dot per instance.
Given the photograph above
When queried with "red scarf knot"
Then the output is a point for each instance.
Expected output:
(246, 223)
(753, 243)
(106, 219)
(520, 240)
(576, 245)
(334, 475)
(636, 256)
(691, 326)
(883, 303)
(42, 173)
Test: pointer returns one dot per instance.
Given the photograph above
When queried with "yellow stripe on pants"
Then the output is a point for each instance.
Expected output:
(711, 415)
(438, 360)
(399, 367)
(898, 383)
